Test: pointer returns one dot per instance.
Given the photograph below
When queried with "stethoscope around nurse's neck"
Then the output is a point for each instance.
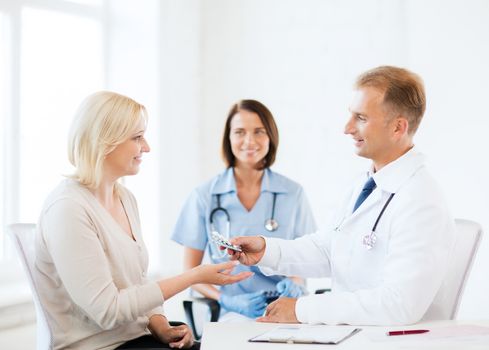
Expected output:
(270, 224)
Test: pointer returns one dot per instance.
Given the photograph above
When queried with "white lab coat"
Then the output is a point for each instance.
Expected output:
(396, 281)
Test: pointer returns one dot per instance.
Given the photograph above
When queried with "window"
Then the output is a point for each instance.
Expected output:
(61, 64)
(51, 58)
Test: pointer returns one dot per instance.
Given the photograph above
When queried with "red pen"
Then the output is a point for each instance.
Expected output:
(409, 331)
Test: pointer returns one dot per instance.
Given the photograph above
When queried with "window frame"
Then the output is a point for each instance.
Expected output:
(11, 10)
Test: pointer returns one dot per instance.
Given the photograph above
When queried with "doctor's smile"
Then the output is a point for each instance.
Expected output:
(358, 143)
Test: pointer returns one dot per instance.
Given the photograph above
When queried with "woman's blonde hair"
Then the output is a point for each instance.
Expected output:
(104, 120)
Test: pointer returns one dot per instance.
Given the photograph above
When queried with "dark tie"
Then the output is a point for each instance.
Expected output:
(366, 190)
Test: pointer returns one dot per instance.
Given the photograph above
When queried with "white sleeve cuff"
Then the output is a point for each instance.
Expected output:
(271, 257)
(301, 310)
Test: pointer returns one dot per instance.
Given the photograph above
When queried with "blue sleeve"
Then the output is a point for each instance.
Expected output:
(304, 221)
(190, 229)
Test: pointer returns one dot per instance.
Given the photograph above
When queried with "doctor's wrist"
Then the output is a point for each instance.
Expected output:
(271, 253)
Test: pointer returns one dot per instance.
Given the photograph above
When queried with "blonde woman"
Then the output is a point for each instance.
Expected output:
(91, 261)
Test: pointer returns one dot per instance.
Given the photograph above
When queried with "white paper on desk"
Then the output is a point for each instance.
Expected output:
(318, 334)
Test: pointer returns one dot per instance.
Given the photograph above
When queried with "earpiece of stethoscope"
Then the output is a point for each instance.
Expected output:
(271, 225)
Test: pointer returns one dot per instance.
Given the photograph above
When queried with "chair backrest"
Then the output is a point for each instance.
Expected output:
(23, 236)
(467, 238)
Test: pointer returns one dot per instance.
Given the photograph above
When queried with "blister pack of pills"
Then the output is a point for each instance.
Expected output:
(223, 241)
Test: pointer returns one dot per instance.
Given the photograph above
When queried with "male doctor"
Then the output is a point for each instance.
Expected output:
(388, 250)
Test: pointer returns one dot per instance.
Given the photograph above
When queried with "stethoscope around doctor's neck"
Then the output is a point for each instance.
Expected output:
(270, 224)
(370, 239)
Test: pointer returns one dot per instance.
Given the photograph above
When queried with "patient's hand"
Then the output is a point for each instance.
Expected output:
(179, 337)
(219, 274)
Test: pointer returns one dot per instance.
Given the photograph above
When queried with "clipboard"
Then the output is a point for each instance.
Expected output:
(306, 334)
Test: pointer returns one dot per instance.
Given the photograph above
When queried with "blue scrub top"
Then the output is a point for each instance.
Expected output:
(292, 213)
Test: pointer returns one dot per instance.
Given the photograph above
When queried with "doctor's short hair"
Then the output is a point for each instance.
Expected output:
(404, 92)
(103, 120)
(268, 121)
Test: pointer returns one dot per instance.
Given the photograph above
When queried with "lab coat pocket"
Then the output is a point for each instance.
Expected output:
(341, 253)
(366, 264)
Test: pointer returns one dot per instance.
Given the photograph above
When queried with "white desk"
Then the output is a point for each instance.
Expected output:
(234, 336)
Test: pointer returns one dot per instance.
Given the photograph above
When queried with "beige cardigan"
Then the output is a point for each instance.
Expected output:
(91, 275)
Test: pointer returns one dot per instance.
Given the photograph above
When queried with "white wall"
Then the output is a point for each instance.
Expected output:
(448, 46)
(132, 68)
(300, 61)
(180, 103)
(300, 58)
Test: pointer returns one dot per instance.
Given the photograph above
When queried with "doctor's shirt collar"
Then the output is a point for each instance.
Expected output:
(392, 176)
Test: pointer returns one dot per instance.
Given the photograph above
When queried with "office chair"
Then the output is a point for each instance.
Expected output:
(191, 314)
(213, 308)
(23, 236)
(447, 301)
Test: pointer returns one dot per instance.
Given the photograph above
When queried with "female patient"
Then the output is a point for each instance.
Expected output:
(91, 261)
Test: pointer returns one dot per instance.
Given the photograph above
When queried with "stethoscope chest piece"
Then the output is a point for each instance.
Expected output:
(271, 225)
(369, 240)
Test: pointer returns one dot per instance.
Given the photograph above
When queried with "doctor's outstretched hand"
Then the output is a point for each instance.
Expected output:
(252, 248)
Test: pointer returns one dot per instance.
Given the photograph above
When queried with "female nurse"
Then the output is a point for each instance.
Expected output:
(247, 197)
